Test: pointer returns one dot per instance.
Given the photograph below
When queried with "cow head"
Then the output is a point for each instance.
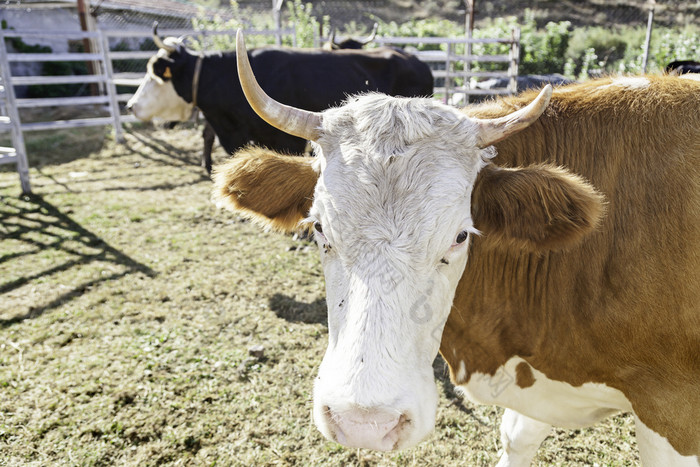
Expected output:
(156, 96)
(395, 186)
(349, 42)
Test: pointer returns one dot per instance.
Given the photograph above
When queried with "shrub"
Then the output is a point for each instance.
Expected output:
(555, 48)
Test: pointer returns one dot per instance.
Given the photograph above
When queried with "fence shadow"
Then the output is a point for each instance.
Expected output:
(167, 152)
(40, 226)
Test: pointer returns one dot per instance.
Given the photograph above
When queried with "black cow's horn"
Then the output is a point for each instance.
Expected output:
(297, 122)
(159, 42)
(496, 129)
(371, 37)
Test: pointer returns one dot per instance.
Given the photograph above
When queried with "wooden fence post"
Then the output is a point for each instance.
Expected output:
(514, 60)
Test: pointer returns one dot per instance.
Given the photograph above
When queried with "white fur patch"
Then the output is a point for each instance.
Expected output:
(462, 372)
(554, 402)
(691, 76)
(393, 195)
(628, 82)
(655, 450)
(155, 98)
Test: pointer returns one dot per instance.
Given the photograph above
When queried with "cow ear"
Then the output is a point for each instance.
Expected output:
(535, 208)
(273, 190)
(161, 68)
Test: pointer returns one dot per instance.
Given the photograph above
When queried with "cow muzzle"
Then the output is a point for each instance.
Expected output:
(369, 428)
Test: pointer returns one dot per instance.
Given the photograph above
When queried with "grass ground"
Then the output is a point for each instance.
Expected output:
(128, 305)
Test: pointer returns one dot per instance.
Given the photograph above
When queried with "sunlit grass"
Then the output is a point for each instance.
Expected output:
(128, 304)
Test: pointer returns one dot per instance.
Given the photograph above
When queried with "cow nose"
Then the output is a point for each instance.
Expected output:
(377, 429)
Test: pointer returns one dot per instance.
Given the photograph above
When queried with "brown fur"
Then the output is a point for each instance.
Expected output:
(619, 306)
(523, 375)
(623, 306)
(274, 190)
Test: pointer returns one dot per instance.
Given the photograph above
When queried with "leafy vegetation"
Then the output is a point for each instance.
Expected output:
(557, 47)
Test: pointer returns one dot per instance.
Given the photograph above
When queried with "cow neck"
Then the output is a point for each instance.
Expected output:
(195, 78)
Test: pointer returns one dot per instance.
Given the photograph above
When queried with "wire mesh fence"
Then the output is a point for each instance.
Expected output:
(577, 39)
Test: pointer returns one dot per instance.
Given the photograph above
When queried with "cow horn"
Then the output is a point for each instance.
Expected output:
(297, 122)
(159, 42)
(371, 37)
(496, 129)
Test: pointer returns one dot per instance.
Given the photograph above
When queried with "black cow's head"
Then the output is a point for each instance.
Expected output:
(349, 42)
(168, 60)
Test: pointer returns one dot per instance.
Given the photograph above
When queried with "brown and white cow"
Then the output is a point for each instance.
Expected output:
(580, 216)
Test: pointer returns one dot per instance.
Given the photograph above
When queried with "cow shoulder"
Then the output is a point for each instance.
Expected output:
(538, 207)
(269, 188)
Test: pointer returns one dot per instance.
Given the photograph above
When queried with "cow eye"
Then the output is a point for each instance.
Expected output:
(318, 227)
(461, 237)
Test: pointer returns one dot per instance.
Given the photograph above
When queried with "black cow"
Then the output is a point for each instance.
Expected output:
(156, 99)
(681, 67)
(312, 79)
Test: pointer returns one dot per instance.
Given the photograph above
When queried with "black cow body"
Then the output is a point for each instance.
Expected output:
(308, 79)
(681, 67)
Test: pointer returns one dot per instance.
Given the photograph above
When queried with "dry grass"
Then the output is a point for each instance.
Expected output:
(128, 304)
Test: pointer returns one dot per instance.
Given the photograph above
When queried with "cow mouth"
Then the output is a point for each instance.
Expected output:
(375, 429)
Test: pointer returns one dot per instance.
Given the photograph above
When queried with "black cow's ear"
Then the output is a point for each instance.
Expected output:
(537, 208)
(162, 68)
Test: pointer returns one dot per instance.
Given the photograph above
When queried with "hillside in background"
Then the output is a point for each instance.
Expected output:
(579, 12)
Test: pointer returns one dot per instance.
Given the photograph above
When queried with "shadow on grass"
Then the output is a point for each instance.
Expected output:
(290, 309)
(175, 156)
(441, 372)
(41, 226)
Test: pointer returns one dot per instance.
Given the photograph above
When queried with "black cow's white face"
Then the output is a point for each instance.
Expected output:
(156, 98)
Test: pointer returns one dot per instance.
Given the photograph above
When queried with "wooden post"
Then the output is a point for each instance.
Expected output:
(85, 26)
(650, 21)
(448, 73)
(514, 56)
(276, 18)
(469, 26)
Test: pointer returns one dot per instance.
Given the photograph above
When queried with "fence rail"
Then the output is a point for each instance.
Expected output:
(451, 82)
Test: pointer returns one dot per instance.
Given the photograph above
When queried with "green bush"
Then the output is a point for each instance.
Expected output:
(555, 48)
(306, 24)
(300, 17)
(422, 28)
(541, 50)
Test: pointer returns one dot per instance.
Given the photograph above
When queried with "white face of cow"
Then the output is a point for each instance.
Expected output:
(392, 221)
(156, 98)
(392, 214)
